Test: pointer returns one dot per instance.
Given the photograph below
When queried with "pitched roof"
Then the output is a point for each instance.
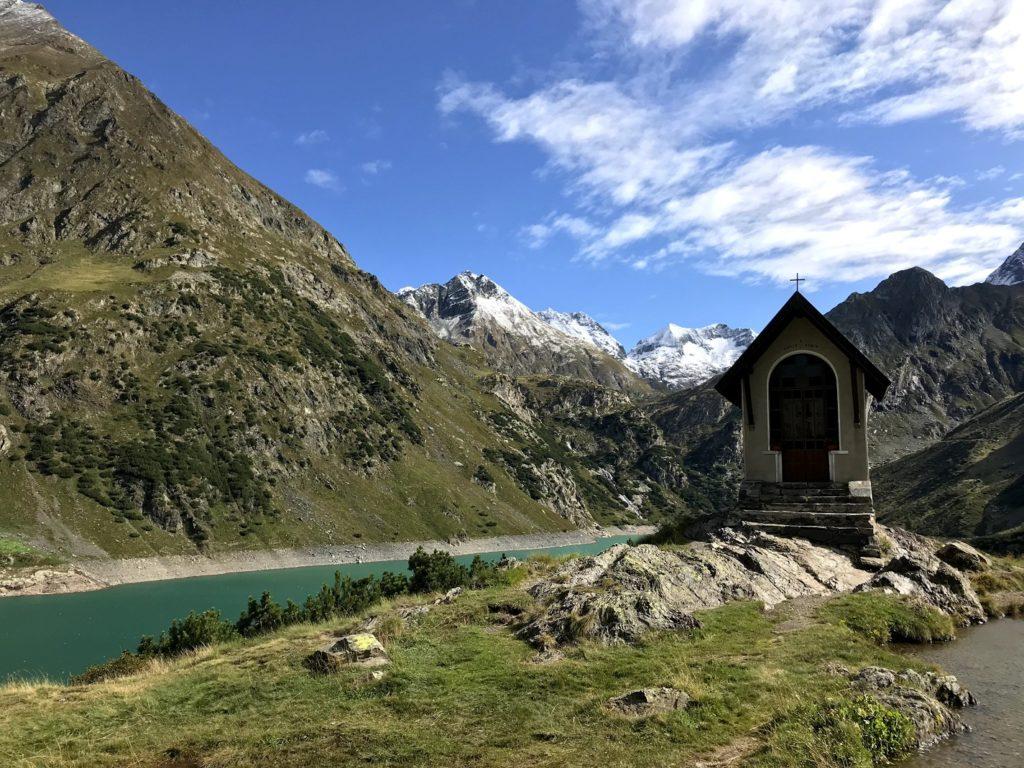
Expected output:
(730, 385)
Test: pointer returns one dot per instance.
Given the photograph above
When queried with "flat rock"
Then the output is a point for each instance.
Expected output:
(649, 701)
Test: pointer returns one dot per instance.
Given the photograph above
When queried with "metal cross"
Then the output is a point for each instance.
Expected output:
(798, 280)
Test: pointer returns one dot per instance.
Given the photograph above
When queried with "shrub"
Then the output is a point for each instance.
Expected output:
(884, 733)
(436, 572)
(194, 631)
(260, 617)
(127, 663)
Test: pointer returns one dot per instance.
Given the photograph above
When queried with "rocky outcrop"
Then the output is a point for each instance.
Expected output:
(627, 591)
(921, 575)
(622, 593)
(927, 699)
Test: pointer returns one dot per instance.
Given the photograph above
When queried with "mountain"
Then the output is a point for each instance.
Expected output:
(190, 363)
(582, 326)
(1011, 271)
(684, 357)
(971, 482)
(950, 352)
(472, 309)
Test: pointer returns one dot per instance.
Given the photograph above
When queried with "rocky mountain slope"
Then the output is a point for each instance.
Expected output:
(969, 482)
(1011, 271)
(680, 357)
(187, 360)
(585, 328)
(950, 352)
(472, 309)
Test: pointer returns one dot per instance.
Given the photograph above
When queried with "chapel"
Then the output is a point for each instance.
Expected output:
(805, 391)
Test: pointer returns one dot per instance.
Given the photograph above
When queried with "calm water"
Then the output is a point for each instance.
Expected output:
(56, 636)
(989, 660)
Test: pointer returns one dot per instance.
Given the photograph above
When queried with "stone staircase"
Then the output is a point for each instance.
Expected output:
(825, 513)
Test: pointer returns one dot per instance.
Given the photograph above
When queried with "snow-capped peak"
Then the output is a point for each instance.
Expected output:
(470, 303)
(585, 328)
(1011, 271)
(683, 357)
(23, 23)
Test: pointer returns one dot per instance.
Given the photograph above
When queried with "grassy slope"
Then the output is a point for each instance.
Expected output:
(461, 691)
(969, 482)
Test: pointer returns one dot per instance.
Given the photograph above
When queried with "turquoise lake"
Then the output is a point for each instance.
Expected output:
(55, 636)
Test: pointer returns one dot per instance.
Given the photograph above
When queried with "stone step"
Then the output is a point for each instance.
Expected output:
(818, 533)
(832, 505)
(863, 520)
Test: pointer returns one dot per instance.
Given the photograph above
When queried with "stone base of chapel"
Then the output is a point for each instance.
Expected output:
(836, 514)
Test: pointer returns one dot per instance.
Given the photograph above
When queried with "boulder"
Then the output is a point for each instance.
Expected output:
(921, 575)
(649, 701)
(963, 557)
(363, 649)
(926, 699)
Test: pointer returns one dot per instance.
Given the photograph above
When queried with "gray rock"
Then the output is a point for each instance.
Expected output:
(624, 592)
(963, 557)
(919, 574)
(363, 649)
(649, 701)
(926, 699)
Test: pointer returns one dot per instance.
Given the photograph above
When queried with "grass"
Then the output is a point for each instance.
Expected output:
(461, 690)
(1001, 587)
(19, 555)
(889, 619)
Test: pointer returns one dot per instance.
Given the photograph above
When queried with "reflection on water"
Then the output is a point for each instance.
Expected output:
(989, 660)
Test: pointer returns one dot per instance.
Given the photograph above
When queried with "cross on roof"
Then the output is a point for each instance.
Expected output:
(798, 280)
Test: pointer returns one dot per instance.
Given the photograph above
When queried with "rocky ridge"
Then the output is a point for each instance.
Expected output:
(681, 358)
(627, 591)
(1011, 271)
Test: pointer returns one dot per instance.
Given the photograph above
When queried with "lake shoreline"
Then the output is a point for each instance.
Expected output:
(88, 575)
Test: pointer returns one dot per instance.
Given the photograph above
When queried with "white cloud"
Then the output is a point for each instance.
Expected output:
(649, 160)
(315, 136)
(964, 57)
(375, 167)
(610, 326)
(611, 142)
(832, 218)
(990, 174)
(323, 178)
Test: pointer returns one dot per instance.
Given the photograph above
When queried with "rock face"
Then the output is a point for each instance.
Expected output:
(622, 593)
(928, 700)
(649, 701)
(922, 575)
(1011, 271)
(950, 353)
(472, 309)
(680, 357)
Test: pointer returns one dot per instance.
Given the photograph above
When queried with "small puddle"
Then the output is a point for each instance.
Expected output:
(989, 660)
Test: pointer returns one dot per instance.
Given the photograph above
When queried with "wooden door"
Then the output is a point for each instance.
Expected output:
(804, 417)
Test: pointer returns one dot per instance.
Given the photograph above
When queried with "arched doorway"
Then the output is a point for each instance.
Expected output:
(803, 416)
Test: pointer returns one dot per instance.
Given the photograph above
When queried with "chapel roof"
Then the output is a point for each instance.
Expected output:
(730, 385)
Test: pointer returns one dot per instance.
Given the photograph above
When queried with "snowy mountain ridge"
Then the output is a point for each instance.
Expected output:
(683, 357)
(1011, 271)
(473, 309)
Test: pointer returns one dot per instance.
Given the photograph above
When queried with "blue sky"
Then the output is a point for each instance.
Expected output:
(644, 161)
